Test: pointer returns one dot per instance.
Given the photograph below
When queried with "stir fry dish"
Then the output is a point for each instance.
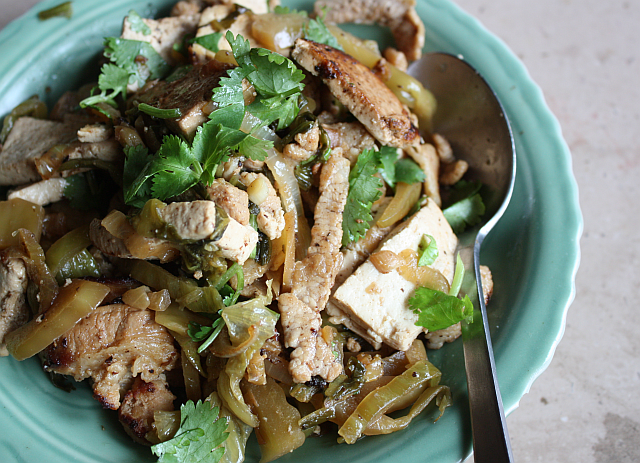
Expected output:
(244, 225)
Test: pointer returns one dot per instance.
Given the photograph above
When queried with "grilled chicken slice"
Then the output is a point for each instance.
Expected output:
(360, 91)
(30, 138)
(139, 404)
(14, 311)
(113, 345)
(313, 279)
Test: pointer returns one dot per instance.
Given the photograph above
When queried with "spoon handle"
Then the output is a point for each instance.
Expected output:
(490, 436)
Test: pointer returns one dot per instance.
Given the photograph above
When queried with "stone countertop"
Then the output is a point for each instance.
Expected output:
(585, 55)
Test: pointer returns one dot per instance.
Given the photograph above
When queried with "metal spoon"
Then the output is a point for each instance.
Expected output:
(472, 119)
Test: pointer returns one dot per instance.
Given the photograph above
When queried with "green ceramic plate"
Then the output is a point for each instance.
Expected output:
(533, 251)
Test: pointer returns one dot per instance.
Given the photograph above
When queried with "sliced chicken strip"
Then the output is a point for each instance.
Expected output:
(360, 91)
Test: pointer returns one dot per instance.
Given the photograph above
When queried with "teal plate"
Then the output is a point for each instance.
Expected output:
(533, 251)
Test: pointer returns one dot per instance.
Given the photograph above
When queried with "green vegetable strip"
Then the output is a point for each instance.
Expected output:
(458, 275)
(189, 350)
(182, 290)
(350, 386)
(114, 172)
(234, 446)
(81, 265)
(64, 10)
(66, 248)
(303, 392)
(160, 113)
(32, 107)
(376, 404)
(386, 425)
(318, 417)
(238, 319)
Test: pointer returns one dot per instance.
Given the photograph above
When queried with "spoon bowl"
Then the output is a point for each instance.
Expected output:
(470, 116)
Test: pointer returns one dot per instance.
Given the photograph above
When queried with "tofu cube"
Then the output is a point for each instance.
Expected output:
(375, 303)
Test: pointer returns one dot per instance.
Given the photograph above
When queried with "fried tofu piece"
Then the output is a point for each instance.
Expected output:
(375, 303)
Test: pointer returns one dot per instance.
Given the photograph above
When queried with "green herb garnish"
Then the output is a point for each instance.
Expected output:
(199, 438)
(437, 310)
(427, 251)
(364, 189)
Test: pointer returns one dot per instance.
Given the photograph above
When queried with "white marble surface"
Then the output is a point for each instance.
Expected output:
(585, 55)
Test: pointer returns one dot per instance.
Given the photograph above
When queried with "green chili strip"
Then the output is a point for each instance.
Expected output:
(160, 113)
(81, 265)
(110, 167)
(182, 290)
(457, 277)
(420, 376)
(32, 107)
(386, 425)
(63, 250)
(318, 417)
(64, 10)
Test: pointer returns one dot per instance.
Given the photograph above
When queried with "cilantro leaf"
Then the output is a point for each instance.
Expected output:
(125, 68)
(317, 31)
(255, 148)
(388, 157)
(213, 147)
(230, 99)
(206, 334)
(437, 310)
(274, 74)
(240, 48)
(407, 171)
(394, 170)
(279, 9)
(275, 78)
(136, 159)
(137, 24)
(209, 41)
(112, 82)
(461, 190)
(199, 438)
(229, 90)
(164, 175)
(174, 168)
(230, 116)
(124, 53)
(465, 213)
(269, 110)
(427, 250)
(364, 189)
